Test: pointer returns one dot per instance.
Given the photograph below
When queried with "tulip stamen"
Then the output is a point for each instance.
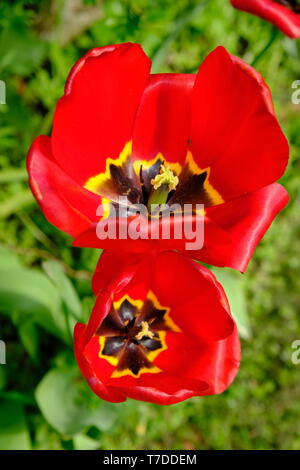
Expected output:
(145, 332)
(164, 182)
(165, 177)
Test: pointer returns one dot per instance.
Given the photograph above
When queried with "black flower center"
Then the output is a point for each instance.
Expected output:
(132, 336)
(135, 181)
(293, 5)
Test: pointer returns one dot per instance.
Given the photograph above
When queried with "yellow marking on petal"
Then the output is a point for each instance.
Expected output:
(138, 303)
(168, 320)
(93, 183)
(200, 212)
(106, 208)
(151, 355)
(143, 370)
(175, 167)
(121, 373)
(111, 359)
(213, 193)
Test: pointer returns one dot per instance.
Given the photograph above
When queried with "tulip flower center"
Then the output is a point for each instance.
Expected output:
(293, 5)
(163, 183)
(153, 183)
(133, 334)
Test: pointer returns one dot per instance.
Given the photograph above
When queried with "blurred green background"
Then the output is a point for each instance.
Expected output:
(45, 282)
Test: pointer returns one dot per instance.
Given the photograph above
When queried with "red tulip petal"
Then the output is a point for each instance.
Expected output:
(215, 363)
(245, 220)
(180, 283)
(196, 362)
(110, 266)
(209, 374)
(163, 117)
(88, 371)
(206, 237)
(233, 130)
(212, 235)
(285, 20)
(89, 239)
(94, 119)
(171, 385)
(231, 232)
(160, 388)
(116, 275)
(66, 205)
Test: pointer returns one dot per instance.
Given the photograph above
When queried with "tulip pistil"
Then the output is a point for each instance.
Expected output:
(165, 177)
(164, 182)
(145, 332)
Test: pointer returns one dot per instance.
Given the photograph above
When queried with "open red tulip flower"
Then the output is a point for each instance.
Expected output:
(161, 331)
(209, 139)
(284, 14)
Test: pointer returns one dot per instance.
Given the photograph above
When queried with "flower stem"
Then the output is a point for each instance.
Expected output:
(158, 196)
(273, 36)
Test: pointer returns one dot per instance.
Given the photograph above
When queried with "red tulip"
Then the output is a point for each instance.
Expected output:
(284, 14)
(161, 331)
(118, 130)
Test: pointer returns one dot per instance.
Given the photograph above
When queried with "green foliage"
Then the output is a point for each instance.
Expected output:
(60, 397)
(45, 282)
(14, 433)
(36, 300)
(234, 286)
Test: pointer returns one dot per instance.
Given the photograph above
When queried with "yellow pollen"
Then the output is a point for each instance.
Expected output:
(165, 176)
(144, 332)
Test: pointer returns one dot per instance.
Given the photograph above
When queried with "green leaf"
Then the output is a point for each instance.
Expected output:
(13, 174)
(29, 336)
(8, 258)
(30, 292)
(62, 399)
(234, 286)
(3, 378)
(14, 433)
(70, 299)
(16, 202)
(83, 442)
(23, 398)
(65, 287)
(20, 51)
